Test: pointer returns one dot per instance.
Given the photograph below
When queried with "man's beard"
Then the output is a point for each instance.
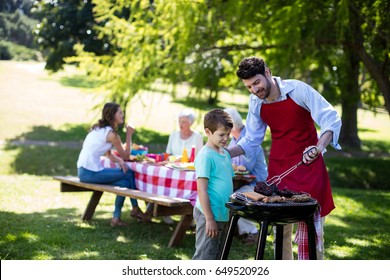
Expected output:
(267, 89)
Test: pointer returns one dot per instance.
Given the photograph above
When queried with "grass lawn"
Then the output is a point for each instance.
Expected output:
(37, 222)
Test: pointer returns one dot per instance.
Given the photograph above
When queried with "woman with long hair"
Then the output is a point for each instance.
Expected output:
(100, 141)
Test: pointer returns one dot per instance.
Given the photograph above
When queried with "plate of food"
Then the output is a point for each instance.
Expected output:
(240, 169)
(242, 180)
(187, 166)
(241, 172)
(138, 149)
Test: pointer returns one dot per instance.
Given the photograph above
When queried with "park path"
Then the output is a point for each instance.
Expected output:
(66, 144)
(162, 147)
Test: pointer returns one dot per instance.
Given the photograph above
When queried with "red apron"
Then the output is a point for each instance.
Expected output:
(292, 130)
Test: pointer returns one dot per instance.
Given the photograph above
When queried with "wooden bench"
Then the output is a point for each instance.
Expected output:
(163, 205)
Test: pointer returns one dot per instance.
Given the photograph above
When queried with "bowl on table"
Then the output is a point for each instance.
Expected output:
(139, 152)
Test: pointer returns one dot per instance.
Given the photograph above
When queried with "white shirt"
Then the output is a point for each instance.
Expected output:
(94, 146)
(176, 144)
(322, 112)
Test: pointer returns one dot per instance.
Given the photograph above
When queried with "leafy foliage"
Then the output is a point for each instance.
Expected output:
(201, 42)
(16, 30)
(63, 24)
(339, 47)
(9, 50)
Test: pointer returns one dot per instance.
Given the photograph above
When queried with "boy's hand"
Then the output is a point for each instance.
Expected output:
(211, 228)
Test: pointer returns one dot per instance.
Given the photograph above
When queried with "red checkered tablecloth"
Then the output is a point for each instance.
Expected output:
(161, 180)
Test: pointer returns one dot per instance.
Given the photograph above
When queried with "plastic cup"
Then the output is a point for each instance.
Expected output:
(159, 158)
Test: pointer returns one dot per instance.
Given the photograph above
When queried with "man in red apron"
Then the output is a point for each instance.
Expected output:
(290, 108)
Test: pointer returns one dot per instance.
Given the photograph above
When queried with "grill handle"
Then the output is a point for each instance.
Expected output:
(236, 206)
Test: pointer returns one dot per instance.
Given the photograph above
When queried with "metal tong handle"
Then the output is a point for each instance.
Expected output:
(278, 178)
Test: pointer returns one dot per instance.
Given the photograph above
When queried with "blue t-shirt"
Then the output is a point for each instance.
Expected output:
(217, 168)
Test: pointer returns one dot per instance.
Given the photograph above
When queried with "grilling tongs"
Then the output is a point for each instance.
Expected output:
(276, 179)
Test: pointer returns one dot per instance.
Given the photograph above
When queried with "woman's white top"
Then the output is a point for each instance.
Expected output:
(176, 144)
(94, 146)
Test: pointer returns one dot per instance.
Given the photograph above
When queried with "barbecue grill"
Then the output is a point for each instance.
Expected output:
(270, 214)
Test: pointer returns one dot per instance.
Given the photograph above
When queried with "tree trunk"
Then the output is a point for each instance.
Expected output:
(350, 99)
(348, 135)
(378, 71)
(213, 97)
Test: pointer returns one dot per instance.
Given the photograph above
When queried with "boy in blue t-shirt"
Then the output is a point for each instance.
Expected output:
(214, 178)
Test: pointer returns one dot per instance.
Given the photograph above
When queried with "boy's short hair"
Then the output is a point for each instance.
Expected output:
(217, 118)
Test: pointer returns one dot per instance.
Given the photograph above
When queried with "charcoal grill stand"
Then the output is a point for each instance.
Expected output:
(264, 223)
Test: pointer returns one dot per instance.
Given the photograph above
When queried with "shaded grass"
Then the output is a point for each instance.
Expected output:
(77, 132)
(359, 228)
(42, 160)
(45, 224)
(67, 132)
(78, 81)
(358, 173)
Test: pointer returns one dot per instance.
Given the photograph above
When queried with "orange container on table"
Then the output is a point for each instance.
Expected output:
(184, 156)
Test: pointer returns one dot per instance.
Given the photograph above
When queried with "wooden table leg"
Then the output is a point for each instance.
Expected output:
(93, 202)
(180, 230)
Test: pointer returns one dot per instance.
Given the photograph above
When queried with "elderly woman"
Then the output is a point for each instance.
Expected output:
(178, 140)
(185, 137)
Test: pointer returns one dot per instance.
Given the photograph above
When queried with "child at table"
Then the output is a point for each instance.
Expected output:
(100, 140)
(214, 173)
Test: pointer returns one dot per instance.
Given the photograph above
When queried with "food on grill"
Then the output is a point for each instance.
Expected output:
(254, 196)
(265, 189)
(287, 193)
(274, 198)
(301, 197)
(269, 193)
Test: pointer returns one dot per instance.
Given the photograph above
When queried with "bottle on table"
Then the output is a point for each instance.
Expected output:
(192, 156)
(184, 156)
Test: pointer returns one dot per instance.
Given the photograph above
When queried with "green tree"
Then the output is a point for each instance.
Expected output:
(16, 22)
(339, 47)
(64, 23)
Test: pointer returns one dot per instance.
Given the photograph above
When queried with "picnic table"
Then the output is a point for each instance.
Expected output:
(172, 192)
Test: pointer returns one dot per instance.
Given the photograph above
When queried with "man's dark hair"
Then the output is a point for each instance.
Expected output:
(217, 118)
(250, 67)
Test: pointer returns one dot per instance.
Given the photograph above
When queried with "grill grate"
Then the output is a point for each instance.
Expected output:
(242, 198)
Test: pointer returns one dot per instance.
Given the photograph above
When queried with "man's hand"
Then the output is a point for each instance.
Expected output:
(310, 154)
